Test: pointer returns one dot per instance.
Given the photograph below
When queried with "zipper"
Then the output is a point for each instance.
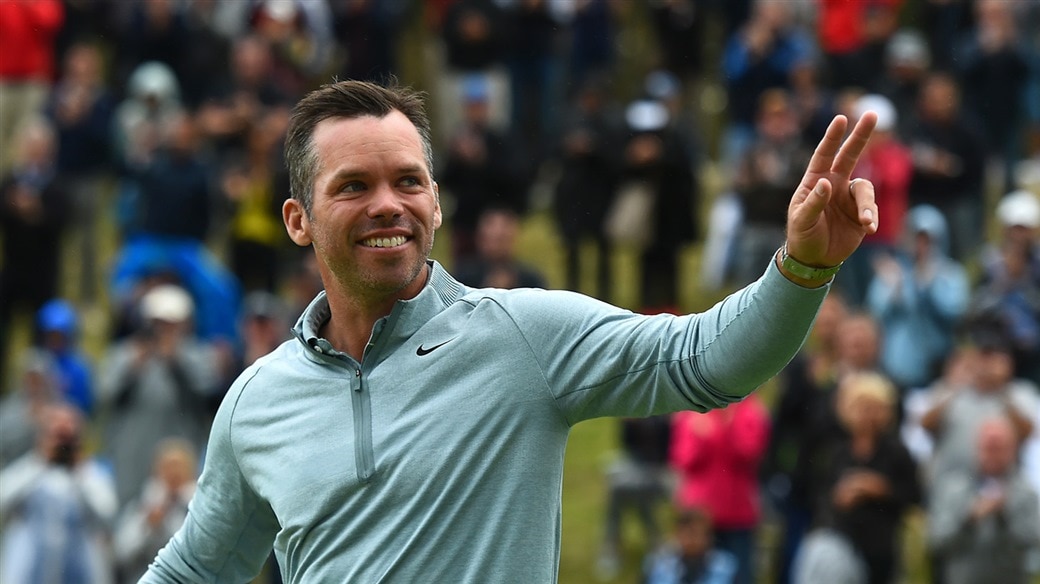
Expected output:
(362, 408)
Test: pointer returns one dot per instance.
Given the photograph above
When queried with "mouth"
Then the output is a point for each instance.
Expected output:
(384, 242)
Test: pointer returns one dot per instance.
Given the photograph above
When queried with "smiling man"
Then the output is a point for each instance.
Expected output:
(414, 430)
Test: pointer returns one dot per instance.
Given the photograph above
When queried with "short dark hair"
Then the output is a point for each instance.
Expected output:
(693, 517)
(345, 99)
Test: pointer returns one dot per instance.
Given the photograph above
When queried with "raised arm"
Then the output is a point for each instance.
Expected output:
(830, 212)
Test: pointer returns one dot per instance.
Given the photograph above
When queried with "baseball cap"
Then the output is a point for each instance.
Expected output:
(646, 115)
(882, 106)
(907, 47)
(167, 302)
(1019, 208)
(57, 316)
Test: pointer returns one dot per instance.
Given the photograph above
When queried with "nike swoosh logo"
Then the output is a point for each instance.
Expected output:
(426, 351)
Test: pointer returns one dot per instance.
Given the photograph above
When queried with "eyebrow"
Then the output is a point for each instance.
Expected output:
(349, 174)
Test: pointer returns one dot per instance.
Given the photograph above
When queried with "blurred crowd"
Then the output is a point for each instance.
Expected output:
(648, 126)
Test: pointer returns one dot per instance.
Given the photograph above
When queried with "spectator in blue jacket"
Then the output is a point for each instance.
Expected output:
(58, 327)
(918, 295)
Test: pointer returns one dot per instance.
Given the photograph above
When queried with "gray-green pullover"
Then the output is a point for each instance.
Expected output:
(439, 457)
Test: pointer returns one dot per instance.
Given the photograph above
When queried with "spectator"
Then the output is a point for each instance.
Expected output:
(873, 479)
(301, 37)
(33, 216)
(993, 68)
(56, 508)
(759, 56)
(887, 164)
(203, 63)
(474, 41)
(918, 296)
(592, 53)
(957, 413)
(22, 408)
(679, 28)
(163, 368)
(82, 109)
(693, 557)
(944, 24)
(247, 99)
(639, 480)
(150, 520)
(144, 117)
(957, 372)
(655, 171)
(588, 177)
(265, 323)
(813, 102)
(803, 425)
(175, 216)
(57, 326)
(153, 31)
(907, 60)
(367, 32)
(949, 158)
(1009, 289)
(255, 188)
(478, 171)
(28, 31)
(770, 167)
(495, 264)
(984, 521)
(717, 457)
(536, 64)
(853, 36)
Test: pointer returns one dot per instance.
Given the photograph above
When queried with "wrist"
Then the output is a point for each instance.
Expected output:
(805, 275)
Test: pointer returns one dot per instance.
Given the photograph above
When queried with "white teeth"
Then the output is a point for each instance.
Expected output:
(384, 241)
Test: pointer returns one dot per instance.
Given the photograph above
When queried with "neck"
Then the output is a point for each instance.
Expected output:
(353, 317)
(351, 323)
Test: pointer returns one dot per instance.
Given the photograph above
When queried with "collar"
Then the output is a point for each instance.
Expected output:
(441, 291)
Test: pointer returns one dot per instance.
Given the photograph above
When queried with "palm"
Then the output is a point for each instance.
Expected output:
(824, 230)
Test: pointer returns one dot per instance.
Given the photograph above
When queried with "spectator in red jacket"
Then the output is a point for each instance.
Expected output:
(717, 456)
(27, 32)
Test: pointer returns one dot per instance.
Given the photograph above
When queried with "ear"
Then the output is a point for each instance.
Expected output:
(296, 222)
(437, 217)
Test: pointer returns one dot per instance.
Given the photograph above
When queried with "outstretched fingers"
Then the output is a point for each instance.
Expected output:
(823, 157)
(847, 157)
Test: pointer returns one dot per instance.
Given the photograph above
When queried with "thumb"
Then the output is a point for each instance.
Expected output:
(805, 215)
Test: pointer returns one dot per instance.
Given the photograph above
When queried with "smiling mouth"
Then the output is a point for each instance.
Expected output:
(384, 242)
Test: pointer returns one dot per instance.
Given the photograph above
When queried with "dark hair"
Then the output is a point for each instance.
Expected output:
(693, 517)
(345, 99)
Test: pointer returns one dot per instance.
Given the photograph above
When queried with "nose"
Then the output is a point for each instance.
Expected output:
(385, 203)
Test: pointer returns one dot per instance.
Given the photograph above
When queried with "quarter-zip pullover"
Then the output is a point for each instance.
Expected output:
(439, 457)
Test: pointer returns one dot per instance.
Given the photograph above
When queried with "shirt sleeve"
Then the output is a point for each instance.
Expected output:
(228, 533)
(598, 360)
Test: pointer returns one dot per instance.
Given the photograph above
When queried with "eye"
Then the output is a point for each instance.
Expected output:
(352, 187)
(410, 181)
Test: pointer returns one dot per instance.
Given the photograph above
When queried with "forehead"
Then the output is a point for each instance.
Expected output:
(361, 140)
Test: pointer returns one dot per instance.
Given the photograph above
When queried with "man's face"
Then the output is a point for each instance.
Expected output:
(374, 210)
(997, 449)
(994, 370)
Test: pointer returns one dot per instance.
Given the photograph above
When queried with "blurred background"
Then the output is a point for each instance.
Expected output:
(639, 151)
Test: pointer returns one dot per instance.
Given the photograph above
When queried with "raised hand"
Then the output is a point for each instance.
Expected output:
(830, 213)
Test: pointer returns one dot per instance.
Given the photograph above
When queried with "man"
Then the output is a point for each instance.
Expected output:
(414, 431)
(984, 521)
(56, 506)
